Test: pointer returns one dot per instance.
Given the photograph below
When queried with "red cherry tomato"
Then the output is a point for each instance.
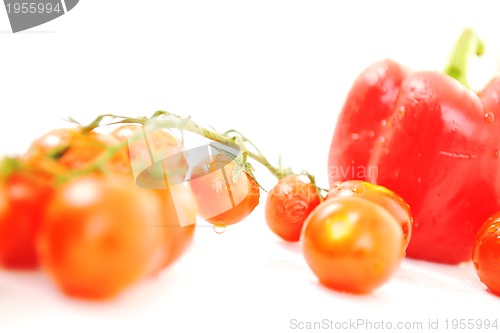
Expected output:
(23, 199)
(380, 195)
(288, 205)
(486, 253)
(352, 244)
(98, 236)
(220, 200)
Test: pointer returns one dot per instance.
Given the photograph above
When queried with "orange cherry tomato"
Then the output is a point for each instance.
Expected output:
(144, 144)
(75, 149)
(380, 195)
(288, 205)
(220, 200)
(352, 244)
(98, 236)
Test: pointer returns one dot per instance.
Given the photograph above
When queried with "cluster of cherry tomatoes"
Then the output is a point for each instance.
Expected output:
(354, 239)
(70, 205)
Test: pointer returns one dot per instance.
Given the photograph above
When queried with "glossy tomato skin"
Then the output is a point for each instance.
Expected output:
(288, 204)
(177, 227)
(352, 244)
(25, 197)
(220, 200)
(97, 236)
(379, 195)
(486, 254)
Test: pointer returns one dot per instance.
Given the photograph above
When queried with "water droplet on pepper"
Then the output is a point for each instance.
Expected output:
(401, 113)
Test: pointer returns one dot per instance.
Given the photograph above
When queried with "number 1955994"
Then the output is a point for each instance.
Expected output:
(33, 8)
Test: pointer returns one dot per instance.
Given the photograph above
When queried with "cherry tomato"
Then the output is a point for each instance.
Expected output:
(144, 144)
(352, 244)
(43, 153)
(222, 201)
(75, 149)
(177, 226)
(486, 253)
(98, 236)
(53, 143)
(23, 199)
(394, 204)
(288, 205)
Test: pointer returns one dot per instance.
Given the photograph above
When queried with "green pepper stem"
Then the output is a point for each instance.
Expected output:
(467, 45)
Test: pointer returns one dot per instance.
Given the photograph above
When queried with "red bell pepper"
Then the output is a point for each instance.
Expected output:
(429, 138)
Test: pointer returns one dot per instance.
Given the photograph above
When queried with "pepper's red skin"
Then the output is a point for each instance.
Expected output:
(431, 140)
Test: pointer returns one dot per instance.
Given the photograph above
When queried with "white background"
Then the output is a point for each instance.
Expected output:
(278, 71)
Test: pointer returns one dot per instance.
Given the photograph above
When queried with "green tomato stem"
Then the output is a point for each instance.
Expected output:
(236, 138)
(171, 120)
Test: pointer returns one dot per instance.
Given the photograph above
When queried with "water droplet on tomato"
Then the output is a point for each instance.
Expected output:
(337, 186)
(219, 228)
(405, 230)
(371, 134)
(489, 117)
(383, 122)
(496, 153)
(354, 136)
(419, 180)
(358, 189)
